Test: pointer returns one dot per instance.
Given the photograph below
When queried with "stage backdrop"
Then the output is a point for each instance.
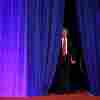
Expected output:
(45, 20)
(13, 48)
(29, 42)
(86, 12)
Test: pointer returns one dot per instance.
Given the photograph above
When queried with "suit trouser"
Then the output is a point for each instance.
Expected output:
(66, 69)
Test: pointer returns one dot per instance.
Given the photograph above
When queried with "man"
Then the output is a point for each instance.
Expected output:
(66, 46)
(66, 62)
(62, 79)
(71, 69)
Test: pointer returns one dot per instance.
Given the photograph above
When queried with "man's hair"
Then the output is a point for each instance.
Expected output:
(65, 30)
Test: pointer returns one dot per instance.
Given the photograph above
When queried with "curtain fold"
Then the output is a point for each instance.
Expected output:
(45, 20)
(12, 48)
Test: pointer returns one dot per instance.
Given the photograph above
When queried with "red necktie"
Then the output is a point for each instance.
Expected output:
(64, 47)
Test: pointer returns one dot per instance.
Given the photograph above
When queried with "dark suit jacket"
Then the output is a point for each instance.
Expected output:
(72, 51)
(61, 57)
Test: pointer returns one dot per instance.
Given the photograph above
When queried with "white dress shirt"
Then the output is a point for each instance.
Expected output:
(62, 40)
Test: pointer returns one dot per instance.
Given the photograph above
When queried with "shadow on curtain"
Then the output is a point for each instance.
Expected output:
(45, 20)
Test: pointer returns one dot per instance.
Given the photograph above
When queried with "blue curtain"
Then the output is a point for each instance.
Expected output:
(98, 48)
(45, 20)
(13, 48)
(86, 12)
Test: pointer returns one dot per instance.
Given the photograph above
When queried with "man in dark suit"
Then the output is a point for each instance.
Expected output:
(67, 60)
(66, 47)
(63, 79)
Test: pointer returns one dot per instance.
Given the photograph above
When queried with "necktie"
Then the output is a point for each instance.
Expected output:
(64, 47)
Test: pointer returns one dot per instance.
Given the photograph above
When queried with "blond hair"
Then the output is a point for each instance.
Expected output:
(65, 30)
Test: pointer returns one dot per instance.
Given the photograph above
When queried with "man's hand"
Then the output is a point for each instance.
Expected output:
(73, 61)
